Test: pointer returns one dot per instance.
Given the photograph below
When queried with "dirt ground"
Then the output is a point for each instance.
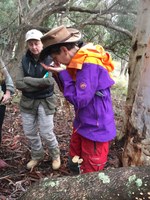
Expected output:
(15, 151)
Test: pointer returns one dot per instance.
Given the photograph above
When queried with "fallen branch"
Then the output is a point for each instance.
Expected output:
(115, 184)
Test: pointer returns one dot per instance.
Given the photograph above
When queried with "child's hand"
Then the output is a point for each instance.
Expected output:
(77, 159)
(53, 68)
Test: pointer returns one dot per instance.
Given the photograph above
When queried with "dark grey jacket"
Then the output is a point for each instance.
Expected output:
(35, 87)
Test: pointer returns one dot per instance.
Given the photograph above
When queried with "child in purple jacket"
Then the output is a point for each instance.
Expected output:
(86, 84)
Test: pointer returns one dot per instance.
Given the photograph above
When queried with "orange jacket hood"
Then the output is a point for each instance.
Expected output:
(87, 54)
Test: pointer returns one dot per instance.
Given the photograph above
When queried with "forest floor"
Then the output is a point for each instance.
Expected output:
(15, 151)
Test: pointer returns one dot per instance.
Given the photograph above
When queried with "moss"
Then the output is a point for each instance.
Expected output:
(51, 183)
(104, 178)
(132, 178)
(139, 182)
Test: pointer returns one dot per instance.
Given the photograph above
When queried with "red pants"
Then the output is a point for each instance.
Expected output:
(94, 154)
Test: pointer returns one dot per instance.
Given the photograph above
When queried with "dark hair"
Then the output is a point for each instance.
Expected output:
(55, 49)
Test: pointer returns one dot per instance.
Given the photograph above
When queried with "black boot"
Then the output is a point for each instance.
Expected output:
(74, 167)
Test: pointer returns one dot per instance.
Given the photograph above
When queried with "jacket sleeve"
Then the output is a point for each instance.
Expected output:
(29, 84)
(20, 83)
(89, 80)
(39, 82)
(8, 81)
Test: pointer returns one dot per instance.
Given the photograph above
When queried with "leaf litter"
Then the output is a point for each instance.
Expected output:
(15, 179)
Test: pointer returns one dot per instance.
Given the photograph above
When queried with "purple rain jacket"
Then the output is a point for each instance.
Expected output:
(90, 95)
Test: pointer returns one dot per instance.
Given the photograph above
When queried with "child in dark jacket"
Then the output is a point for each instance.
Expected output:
(86, 85)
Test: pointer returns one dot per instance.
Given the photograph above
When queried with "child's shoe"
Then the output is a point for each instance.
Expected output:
(56, 163)
(55, 154)
(32, 163)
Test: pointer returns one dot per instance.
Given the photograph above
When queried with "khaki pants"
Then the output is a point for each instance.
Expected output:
(37, 126)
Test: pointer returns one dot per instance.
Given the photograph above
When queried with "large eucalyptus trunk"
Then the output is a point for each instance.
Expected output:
(137, 124)
(115, 184)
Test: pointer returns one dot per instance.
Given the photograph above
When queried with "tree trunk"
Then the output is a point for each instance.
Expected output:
(29, 19)
(137, 124)
(117, 184)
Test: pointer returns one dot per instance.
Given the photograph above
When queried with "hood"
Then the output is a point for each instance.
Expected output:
(95, 51)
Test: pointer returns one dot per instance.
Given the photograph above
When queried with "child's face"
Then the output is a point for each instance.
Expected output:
(63, 57)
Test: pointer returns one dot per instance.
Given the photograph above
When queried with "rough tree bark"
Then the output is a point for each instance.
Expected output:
(129, 183)
(137, 125)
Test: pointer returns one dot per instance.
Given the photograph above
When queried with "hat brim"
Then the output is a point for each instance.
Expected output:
(45, 52)
(33, 38)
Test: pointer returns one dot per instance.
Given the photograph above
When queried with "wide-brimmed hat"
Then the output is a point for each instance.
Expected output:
(59, 35)
(33, 34)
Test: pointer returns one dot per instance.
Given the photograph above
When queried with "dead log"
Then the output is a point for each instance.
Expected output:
(126, 183)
